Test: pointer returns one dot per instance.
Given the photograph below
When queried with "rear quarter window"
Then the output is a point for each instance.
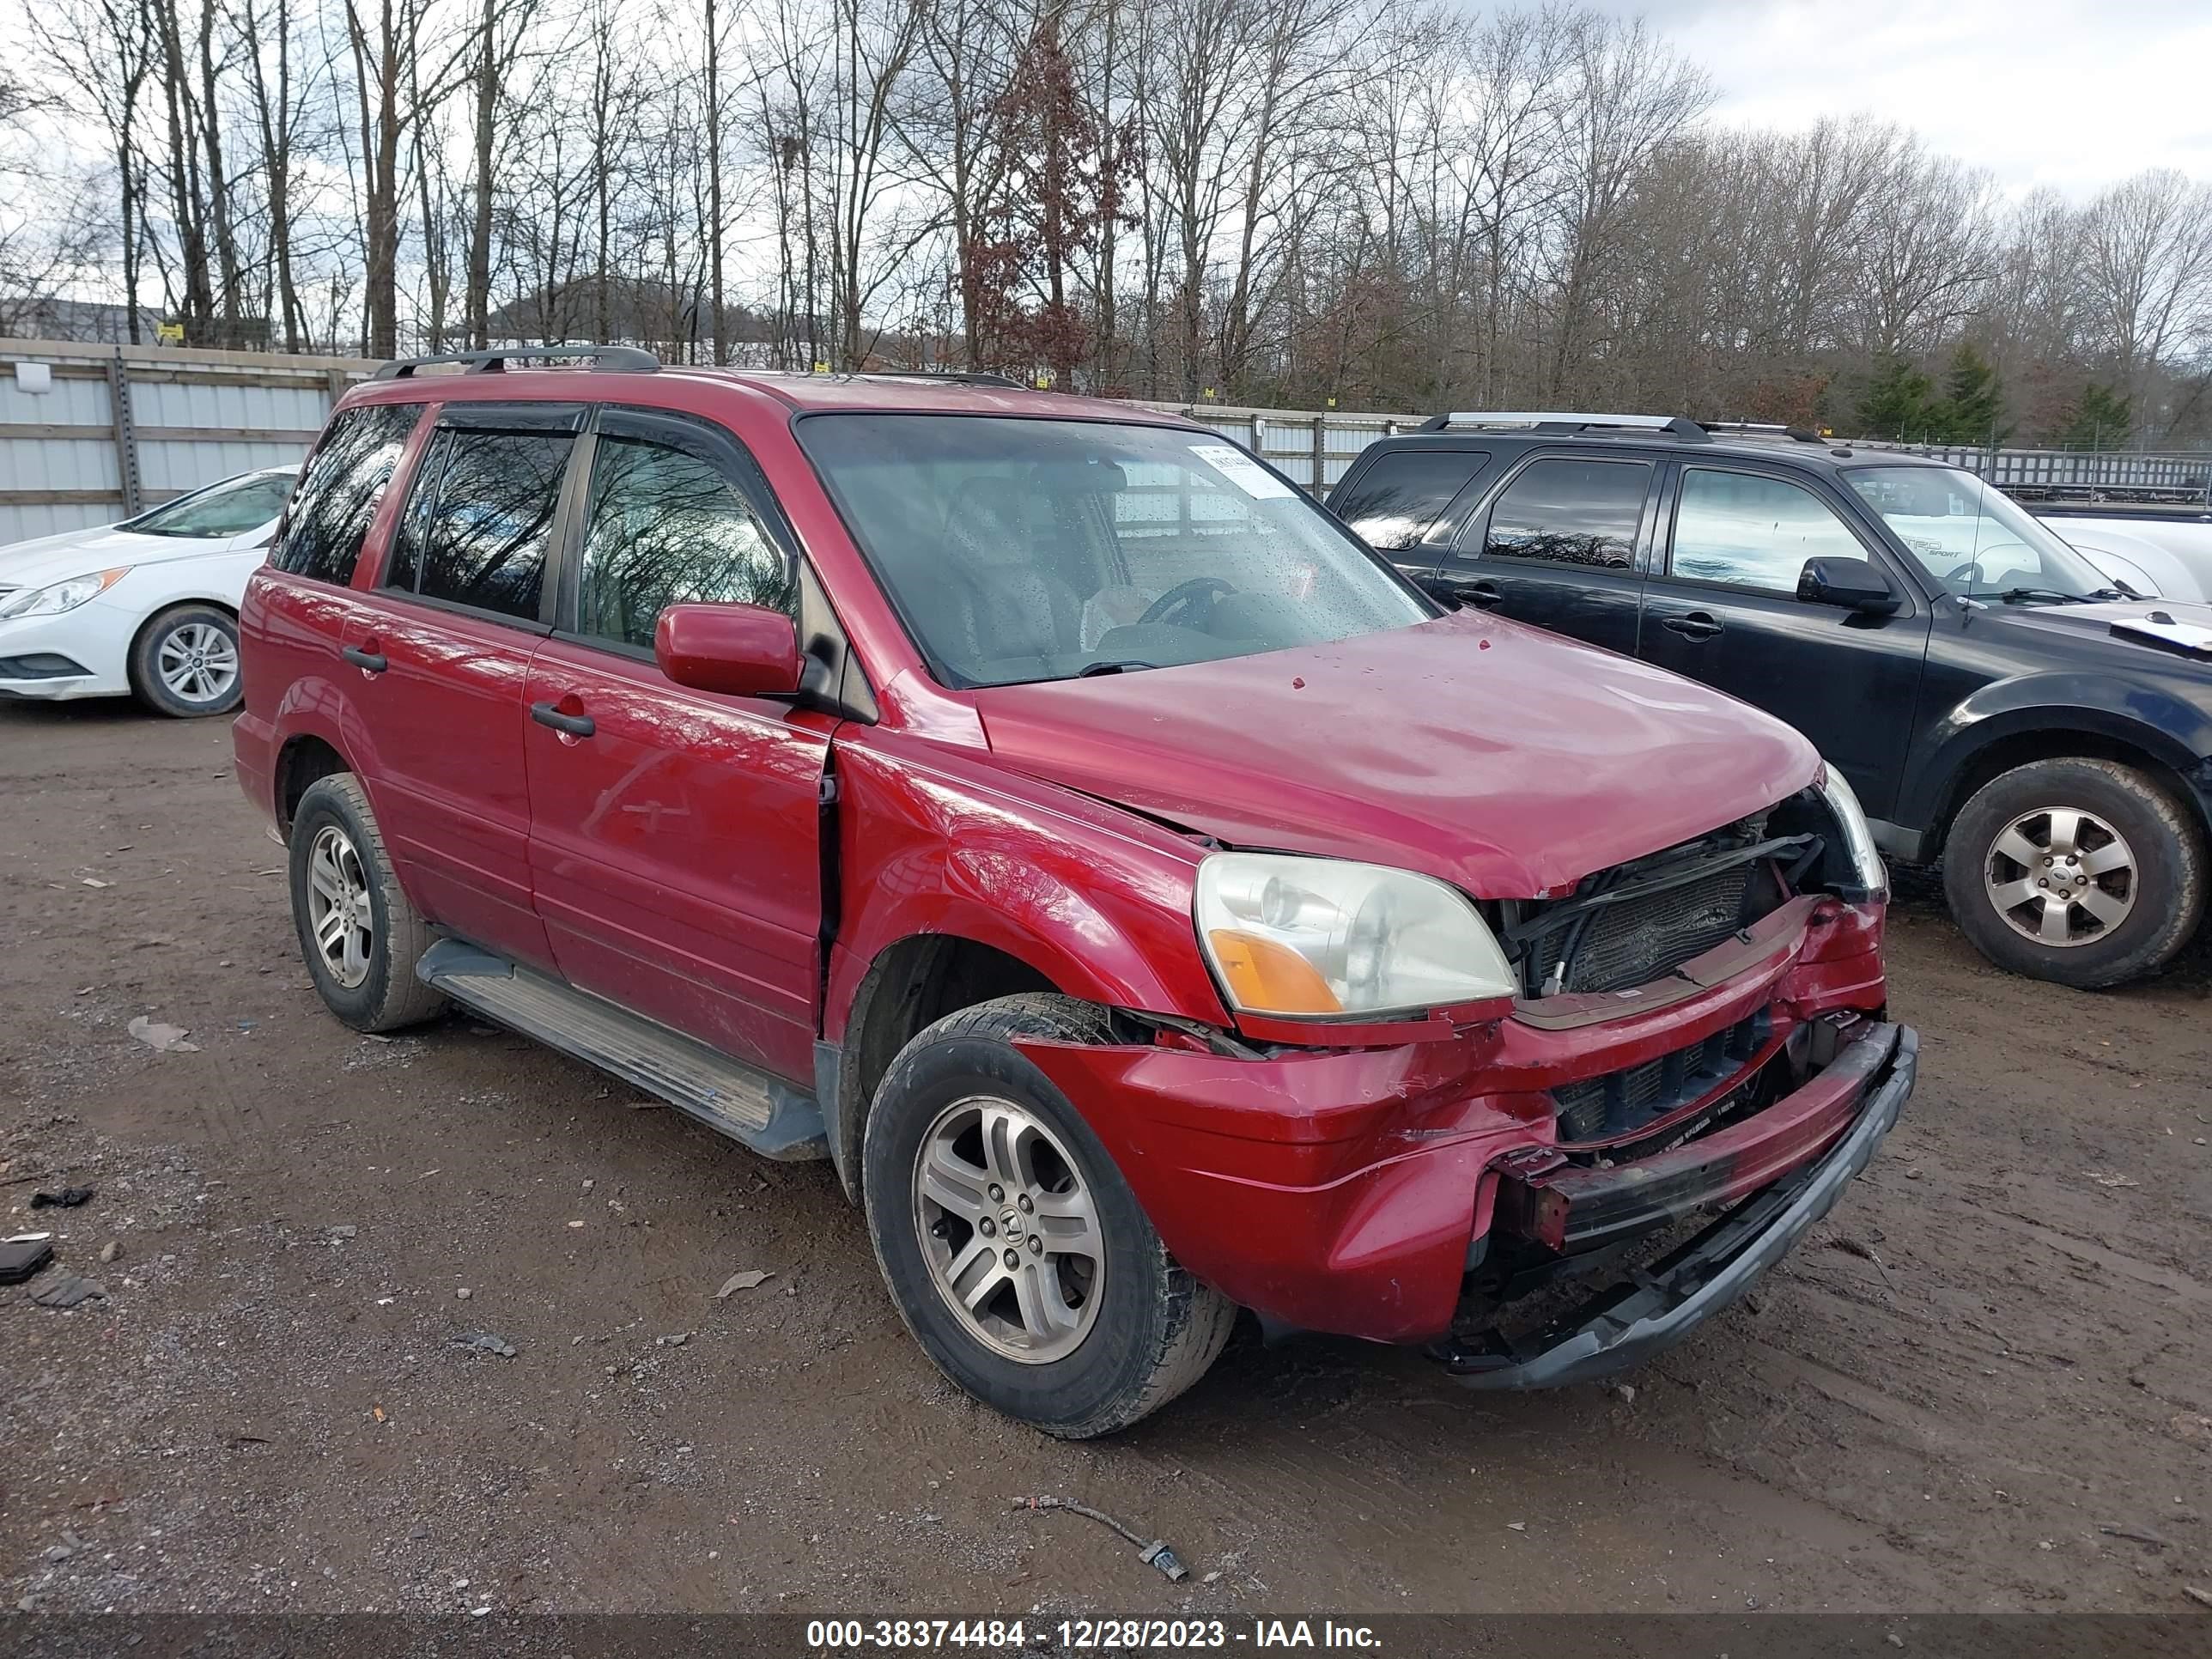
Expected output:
(1394, 503)
(344, 481)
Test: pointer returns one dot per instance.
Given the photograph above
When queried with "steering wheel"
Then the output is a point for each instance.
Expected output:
(1183, 596)
(1972, 570)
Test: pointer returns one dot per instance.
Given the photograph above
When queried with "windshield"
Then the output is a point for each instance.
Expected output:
(1021, 550)
(1975, 541)
(229, 508)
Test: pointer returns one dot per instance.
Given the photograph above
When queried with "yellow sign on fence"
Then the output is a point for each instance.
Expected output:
(169, 333)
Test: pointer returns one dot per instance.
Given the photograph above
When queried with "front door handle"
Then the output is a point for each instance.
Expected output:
(575, 725)
(370, 662)
(1698, 625)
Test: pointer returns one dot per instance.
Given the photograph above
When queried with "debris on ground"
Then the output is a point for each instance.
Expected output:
(2196, 1594)
(67, 1291)
(343, 1230)
(110, 1250)
(483, 1342)
(745, 1281)
(162, 1039)
(2110, 1178)
(1864, 1251)
(1154, 1555)
(2134, 1535)
(25, 1256)
(68, 1199)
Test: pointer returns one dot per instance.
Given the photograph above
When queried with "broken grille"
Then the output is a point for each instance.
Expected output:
(1639, 939)
(1638, 921)
(1620, 1103)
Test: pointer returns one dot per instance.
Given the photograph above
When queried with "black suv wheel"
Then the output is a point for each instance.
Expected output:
(2085, 873)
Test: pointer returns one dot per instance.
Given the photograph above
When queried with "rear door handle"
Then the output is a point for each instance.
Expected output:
(1696, 626)
(371, 661)
(576, 726)
(1482, 595)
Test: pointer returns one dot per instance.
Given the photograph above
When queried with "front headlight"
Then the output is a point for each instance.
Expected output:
(1858, 840)
(1308, 938)
(57, 597)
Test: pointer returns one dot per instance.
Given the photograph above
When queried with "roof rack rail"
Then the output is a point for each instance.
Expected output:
(959, 376)
(1675, 426)
(1766, 428)
(605, 358)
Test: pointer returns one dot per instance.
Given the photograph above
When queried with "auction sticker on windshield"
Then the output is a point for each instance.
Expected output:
(1241, 470)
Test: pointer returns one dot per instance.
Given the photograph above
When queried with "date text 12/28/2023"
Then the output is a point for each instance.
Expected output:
(1112, 1635)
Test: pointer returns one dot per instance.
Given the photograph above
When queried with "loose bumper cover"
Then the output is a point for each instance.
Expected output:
(1655, 1308)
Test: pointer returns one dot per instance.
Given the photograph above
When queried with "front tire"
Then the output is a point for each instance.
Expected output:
(1014, 1251)
(184, 663)
(360, 937)
(2084, 872)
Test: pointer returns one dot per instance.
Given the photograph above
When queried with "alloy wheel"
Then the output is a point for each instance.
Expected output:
(197, 661)
(1008, 1229)
(339, 917)
(2060, 876)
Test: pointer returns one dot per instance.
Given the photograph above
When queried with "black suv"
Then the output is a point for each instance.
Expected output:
(1990, 696)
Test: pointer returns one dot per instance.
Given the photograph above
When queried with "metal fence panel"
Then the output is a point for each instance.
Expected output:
(1310, 446)
(194, 416)
(69, 458)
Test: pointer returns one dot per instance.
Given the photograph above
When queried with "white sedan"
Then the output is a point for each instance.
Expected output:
(2160, 556)
(147, 607)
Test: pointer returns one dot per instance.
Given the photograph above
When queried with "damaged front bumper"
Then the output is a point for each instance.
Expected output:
(1657, 1308)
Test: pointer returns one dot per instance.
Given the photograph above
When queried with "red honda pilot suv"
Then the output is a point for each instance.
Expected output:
(1148, 900)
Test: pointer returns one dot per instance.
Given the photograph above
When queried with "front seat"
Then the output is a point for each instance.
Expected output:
(1002, 601)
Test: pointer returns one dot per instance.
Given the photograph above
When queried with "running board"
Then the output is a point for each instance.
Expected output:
(764, 1112)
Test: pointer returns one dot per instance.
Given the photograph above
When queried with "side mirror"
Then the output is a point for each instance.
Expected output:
(740, 650)
(1852, 584)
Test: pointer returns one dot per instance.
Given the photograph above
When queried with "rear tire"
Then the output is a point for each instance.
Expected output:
(360, 937)
(184, 663)
(2105, 870)
(1096, 1325)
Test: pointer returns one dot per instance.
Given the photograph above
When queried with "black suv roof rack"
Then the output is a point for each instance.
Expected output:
(605, 358)
(1554, 421)
(959, 376)
(1765, 429)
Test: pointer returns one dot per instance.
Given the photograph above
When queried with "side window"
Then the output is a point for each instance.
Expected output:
(665, 526)
(339, 490)
(1391, 505)
(479, 522)
(1754, 531)
(1583, 513)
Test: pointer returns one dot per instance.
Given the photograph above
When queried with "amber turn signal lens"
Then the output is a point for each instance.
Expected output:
(1265, 975)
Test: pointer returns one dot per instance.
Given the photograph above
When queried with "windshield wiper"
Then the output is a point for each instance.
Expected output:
(2018, 595)
(1111, 666)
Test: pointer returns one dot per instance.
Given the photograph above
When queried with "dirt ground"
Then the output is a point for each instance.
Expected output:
(1984, 1384)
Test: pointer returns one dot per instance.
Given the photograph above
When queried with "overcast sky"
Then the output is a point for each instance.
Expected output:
(2040, 92)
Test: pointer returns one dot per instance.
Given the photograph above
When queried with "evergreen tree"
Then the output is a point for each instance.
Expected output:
(2101, 421)
(1972, 408)
(1899, 404)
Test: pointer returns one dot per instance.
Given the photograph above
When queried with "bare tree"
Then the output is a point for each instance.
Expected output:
(2149, 270)
(104, 49)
